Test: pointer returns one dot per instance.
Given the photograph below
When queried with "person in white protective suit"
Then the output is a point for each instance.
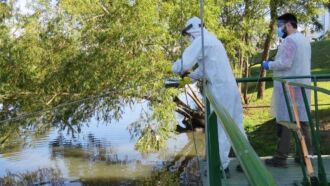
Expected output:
(293, 58)
(218, 73)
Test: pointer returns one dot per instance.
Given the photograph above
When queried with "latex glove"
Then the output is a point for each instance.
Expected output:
(184, 81)
(265, 65)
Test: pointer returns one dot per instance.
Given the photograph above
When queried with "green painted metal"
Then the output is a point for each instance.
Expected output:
(287, 101)
(305, 181)
(316, 141)
(315, 88)
(296, 138)
(207, 113)
(214, 164)
(317, 119)
(254, 169)
(314, 131)
(256, 172)
(318, 77)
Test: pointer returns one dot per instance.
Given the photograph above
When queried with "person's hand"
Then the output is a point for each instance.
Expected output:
(184, 81)
(185, 74)
(265, 65)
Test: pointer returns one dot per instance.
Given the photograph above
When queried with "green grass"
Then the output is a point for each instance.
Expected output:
(321, 57)
(259, 122)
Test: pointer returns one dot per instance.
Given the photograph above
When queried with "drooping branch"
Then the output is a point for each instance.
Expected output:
(193, 118)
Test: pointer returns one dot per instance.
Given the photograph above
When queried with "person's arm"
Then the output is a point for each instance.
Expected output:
(197, 74)
(190, 57)
(285, 60)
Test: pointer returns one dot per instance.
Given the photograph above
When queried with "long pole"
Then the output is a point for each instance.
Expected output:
(308, 162)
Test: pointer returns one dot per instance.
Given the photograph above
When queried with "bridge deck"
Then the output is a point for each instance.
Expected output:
(282, 176)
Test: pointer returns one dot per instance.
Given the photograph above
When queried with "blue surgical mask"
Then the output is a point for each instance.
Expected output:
(280, 32)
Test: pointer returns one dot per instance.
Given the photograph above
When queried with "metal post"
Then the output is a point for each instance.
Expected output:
(287, 102)
(303, 168)
(317, 121)
(297, 144)
(214, 163)
(316, 142)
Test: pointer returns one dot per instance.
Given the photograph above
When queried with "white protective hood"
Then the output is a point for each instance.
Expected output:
(195, 30)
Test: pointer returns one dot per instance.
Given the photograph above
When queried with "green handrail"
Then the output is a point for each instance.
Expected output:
(314, 78)
(318, 77)
(316, 140)
(314, 132)
(254, 169)
(319, 89)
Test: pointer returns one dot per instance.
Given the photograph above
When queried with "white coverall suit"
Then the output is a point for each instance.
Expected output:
(218, 73)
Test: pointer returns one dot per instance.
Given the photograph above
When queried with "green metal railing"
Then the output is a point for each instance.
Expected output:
(315, 133)
(314, 78)
(254, 169)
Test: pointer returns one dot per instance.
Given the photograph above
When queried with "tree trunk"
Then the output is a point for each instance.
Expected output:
(273, 15)
(240, 59)
(246, 87)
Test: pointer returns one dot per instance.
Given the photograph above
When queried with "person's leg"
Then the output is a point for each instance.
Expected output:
(283, 145)
(283, 148)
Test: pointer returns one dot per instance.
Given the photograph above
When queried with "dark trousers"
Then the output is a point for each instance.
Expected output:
(284, 135)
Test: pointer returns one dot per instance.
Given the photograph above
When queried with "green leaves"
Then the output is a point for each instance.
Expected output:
(80, 48)
(5, 11)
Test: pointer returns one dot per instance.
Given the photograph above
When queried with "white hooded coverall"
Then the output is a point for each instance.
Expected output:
(218, 73)
(293, 58)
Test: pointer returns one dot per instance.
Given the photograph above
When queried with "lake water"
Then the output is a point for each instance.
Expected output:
(104, 153)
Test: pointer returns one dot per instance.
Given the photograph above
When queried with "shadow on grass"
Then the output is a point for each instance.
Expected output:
(263, 137)
(324, 130)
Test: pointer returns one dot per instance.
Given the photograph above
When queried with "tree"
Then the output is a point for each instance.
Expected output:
(5, 12)
(246, 22)
(273, 5)
(75, 50)
(98, 55)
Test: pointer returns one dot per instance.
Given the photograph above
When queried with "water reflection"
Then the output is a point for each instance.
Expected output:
(104, 154)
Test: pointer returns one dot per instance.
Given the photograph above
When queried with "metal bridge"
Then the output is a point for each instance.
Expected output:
(255, 172)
